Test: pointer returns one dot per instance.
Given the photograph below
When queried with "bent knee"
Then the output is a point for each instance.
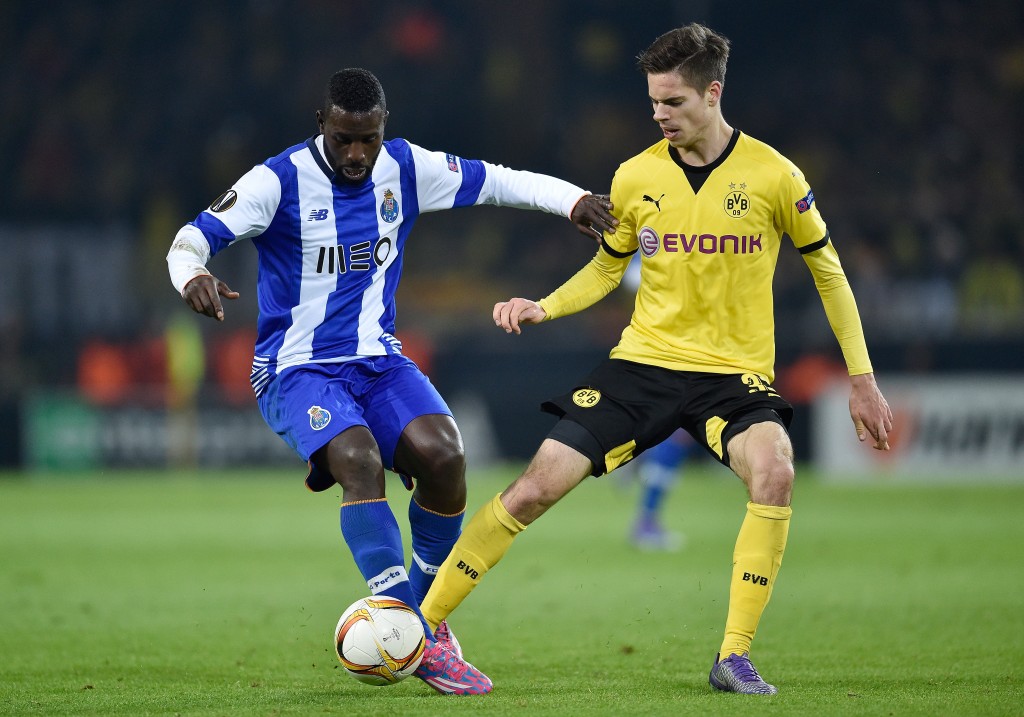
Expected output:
(773, 486)
(440, 462)
(762, 457)
(529, 496)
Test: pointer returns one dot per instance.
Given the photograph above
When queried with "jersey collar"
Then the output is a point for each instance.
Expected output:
(707, 168)
(316, 148)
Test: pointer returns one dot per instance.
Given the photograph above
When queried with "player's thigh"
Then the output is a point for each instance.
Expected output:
(762, 456)
(400, 394)
(353, 459)
(307, 406)
(619, 410)
(430, 451)
(431, 445)
(721, 406)
(552, 473)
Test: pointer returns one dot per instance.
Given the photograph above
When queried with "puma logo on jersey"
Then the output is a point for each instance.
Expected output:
(652, 200)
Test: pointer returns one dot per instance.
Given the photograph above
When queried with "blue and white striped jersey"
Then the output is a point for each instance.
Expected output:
(330, 253)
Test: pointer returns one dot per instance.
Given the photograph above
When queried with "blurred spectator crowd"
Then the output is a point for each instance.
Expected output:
(120, 121)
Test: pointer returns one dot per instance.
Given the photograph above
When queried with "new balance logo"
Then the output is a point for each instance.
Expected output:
(652, 200)
(755, 578)
(468, 570)
(317, 215)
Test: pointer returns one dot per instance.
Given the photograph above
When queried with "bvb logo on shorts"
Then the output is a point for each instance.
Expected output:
(586, 397)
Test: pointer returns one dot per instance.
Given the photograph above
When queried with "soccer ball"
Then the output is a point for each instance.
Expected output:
(379, 640)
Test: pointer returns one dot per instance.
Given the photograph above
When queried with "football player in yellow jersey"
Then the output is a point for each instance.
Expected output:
(707, 207)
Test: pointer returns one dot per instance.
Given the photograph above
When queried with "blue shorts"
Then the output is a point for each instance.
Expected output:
(308, 405)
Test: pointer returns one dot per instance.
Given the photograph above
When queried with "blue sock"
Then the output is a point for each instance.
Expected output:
(433, 536)
(373, 536)
(651, 500)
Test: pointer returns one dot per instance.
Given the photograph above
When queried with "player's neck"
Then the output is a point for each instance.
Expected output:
(708, 146)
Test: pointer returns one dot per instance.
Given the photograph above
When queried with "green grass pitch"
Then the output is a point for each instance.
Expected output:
(216, 594)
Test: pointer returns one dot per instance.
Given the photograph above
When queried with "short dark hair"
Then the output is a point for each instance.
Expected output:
(354, 90)
(696, 52)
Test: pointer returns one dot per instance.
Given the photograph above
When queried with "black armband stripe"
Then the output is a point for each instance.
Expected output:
(616, 254)
(815, 246)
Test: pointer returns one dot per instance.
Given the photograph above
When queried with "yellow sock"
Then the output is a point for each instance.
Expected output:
(755, 564)
(482, 544)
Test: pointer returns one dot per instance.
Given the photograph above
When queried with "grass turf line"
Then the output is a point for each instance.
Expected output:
(213, 594)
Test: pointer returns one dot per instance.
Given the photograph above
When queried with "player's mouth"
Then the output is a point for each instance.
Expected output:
(669, 133)
(354, 174)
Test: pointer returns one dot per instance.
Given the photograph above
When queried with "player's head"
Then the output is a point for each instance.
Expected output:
(685, 71)
(696, 53)
(352, 122)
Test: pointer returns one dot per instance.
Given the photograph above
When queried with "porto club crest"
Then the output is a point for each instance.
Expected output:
(318, 417)
(389, 207)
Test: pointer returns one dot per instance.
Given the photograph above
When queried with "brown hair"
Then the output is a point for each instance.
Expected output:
(696, 52)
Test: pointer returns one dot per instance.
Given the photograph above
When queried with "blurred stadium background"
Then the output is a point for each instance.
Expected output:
(120, 121)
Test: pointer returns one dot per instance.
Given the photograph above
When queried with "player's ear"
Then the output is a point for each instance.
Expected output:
(713, 94)
(320, 119)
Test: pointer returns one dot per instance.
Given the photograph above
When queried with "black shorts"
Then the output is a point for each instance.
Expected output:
(623, 408)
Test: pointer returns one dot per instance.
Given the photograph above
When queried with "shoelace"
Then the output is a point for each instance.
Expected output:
(444, 659)
(744, 669)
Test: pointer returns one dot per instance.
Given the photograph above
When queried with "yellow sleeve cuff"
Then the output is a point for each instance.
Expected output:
(588, 286)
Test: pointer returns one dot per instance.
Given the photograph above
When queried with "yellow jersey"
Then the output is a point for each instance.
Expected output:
(708, 254)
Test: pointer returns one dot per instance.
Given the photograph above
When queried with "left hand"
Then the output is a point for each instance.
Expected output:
(870, 411)
(592, 215)
(509, 315)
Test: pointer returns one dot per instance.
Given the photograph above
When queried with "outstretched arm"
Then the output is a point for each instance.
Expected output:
(501, 186)
(868, 408)
(588, 286)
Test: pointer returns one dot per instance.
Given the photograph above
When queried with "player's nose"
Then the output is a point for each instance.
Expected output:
(356, 154)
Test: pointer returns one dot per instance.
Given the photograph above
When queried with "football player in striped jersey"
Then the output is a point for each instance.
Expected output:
(330, 218)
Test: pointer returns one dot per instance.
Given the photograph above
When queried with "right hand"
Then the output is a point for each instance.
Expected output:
(870, 411)
(510, 314)
(202, 294)
(593, 216)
